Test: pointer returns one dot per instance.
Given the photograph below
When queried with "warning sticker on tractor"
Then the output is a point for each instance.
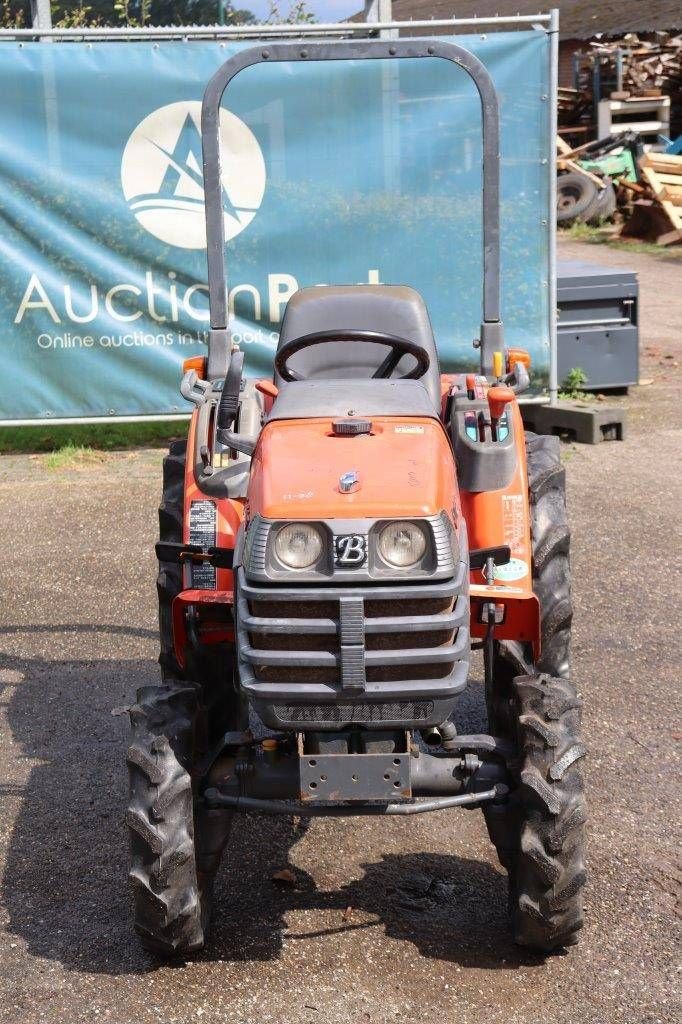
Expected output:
(513, 521)
(409, 429)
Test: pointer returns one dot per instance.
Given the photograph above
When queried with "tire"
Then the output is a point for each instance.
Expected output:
(170, 911)
(551, 542)
(547, 868)
(175, 846)
(603, 207)
(169, 579)
(214, 673)
(575, 193)
(539, 832)
(551, 573)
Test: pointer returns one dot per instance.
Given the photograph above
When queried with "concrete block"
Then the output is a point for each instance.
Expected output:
(577, 421)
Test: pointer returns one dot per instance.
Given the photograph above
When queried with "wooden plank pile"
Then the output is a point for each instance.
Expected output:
(657, 210)
(574, 107)
(650, 66)
(565, 161)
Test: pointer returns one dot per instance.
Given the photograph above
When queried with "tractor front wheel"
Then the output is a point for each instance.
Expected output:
(176, 842)
(170, 909)
(547, 870)
(539, 832)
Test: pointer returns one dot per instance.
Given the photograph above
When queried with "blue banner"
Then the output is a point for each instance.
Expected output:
(334, 173)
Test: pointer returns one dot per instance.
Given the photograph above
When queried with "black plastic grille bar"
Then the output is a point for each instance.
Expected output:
(274, 670)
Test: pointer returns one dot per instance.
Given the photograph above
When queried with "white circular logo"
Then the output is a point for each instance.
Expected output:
(514, 569)
(162, 179)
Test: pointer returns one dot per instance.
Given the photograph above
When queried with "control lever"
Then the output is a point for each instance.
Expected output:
(519, 379)
(499, 397)
(237, 442)
(193, 388)
(228, 406)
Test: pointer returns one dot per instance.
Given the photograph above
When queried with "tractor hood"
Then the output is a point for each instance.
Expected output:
(404, 468)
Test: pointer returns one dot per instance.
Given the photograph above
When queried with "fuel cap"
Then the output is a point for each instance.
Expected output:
(350, 428)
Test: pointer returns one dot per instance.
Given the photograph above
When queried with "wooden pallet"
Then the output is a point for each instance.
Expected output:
(663, 174)
(565, 161)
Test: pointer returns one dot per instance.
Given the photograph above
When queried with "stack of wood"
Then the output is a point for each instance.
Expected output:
(574, 107)
(650, 67)
(657, 208)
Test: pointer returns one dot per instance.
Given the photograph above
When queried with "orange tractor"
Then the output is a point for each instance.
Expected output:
(335, 541)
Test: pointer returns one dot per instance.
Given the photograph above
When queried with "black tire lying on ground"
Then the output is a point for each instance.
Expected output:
(175, 852)
(603, 205)
(575, 194)
(539, 834)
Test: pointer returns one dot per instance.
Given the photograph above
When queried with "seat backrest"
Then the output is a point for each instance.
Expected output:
(390, 309)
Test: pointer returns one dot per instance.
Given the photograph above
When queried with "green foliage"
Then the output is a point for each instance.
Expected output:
(297, 14)
(71, 456)
(80, 13)
(100, 436)
(573, 384)
(14, 14)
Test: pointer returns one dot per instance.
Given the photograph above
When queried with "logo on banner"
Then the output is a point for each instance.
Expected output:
(163, 182)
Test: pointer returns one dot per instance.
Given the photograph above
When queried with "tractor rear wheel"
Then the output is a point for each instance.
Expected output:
(539, 833)
(551, 572)
(175, 845)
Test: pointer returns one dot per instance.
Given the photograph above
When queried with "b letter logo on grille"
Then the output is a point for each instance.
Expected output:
(350, 550)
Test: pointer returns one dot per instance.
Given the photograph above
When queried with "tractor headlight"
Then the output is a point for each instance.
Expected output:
(402, 544)
(299, 545)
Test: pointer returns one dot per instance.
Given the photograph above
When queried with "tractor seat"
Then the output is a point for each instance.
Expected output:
(391, 309)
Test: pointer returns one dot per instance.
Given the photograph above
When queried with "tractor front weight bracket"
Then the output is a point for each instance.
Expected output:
(273, 776)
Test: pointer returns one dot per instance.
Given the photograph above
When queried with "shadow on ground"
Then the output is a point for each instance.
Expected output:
(64, 883)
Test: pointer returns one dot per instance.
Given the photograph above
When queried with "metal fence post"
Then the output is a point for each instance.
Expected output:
(41, 15)
(553, 104)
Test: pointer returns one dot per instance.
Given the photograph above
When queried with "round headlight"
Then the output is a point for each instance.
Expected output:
(298, 545)
(402, 544)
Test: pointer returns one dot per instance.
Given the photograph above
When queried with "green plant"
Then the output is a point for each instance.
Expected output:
(101, 436)
(80, 13)
(298, 13)
(12, 14)
(72, 456)
(573, 384)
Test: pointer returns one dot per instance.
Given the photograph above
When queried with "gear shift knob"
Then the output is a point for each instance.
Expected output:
(499, 396)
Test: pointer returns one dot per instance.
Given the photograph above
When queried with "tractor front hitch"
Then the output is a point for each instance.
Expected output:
(274, 777)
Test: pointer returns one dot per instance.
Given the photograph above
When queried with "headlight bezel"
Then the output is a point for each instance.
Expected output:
(394, 524)
(439, 560)
(293, 525)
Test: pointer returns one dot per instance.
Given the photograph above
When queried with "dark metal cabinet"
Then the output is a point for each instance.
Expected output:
(597, 324)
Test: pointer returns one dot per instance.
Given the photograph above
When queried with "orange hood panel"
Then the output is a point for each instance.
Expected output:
(405, 469)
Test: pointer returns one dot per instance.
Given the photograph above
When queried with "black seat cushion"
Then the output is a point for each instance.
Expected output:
(390, 309)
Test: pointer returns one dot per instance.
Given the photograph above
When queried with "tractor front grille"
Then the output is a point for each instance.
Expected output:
(363, 713)
(322, 650)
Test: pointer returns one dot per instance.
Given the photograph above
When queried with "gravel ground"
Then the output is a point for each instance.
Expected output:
(389, 920)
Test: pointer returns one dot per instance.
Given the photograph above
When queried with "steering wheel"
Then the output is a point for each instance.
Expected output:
(399, 347)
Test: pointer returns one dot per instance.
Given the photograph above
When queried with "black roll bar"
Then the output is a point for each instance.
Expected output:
(373, 49)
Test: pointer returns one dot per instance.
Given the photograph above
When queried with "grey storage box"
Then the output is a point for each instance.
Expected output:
(597, 324)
